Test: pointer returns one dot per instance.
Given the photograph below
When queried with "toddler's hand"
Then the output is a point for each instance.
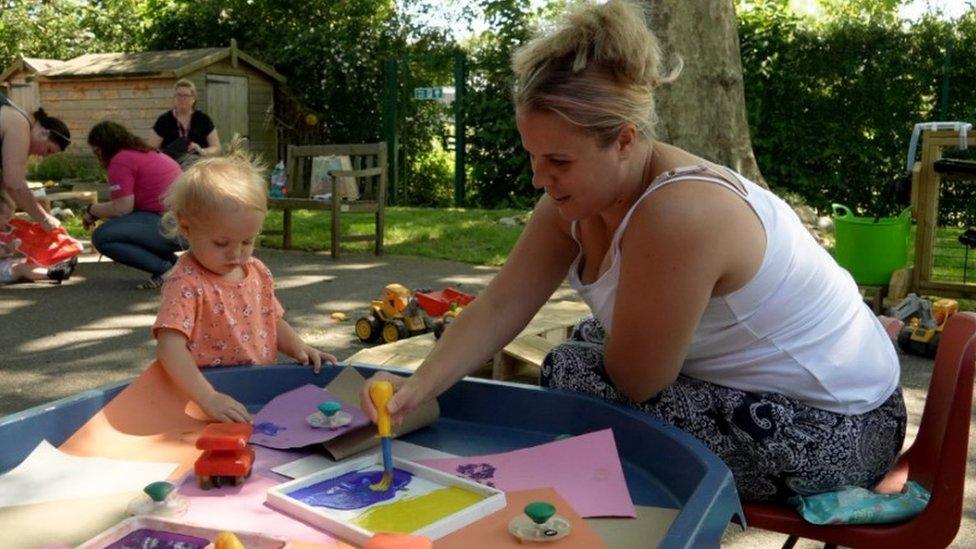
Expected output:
(310, 355)
(223, 408)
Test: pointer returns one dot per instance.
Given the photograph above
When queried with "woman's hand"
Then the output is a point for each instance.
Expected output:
(88, 220)
(223, 408)
(310, 355)
(193, 147)
(49, 222)
(407, 395)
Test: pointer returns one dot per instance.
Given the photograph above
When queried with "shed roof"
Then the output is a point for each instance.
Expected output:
(39, 65)
(171, 63)
(31, 65)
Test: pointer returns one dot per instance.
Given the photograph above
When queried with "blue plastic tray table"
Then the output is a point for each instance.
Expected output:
(664, 466)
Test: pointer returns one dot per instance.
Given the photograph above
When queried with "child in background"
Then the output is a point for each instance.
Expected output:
(17, 268)
(218, 304)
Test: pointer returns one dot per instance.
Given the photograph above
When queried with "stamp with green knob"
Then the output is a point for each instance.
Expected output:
(539, 523)
(329, 415)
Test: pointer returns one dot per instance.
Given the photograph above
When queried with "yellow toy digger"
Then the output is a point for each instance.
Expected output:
(923, 323)
(395, 316)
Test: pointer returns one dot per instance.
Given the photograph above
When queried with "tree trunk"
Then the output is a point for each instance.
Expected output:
(704, 110)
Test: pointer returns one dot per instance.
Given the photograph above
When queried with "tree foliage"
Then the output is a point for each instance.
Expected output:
(62, 29)
(831, 107)
(831, 102)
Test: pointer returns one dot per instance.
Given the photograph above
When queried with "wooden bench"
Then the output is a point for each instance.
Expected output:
(369, 170)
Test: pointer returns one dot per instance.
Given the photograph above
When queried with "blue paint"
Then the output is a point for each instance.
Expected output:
(268, 428)
(387, 445)
(351, 490)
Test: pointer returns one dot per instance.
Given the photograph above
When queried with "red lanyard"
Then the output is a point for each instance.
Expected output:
(179, 127)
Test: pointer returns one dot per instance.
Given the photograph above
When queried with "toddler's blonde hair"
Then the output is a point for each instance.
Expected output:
(597, 69)
(220, 183)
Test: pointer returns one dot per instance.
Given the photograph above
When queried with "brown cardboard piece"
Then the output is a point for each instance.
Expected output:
(345, 387)
(647, 530)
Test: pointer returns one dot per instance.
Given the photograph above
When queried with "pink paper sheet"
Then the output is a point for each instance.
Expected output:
(585, 470)
(242, 509)
(281, 423)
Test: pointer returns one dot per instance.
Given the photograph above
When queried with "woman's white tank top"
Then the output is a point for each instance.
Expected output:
(798, 328)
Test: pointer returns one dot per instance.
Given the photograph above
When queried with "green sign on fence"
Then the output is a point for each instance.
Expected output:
(428, 93)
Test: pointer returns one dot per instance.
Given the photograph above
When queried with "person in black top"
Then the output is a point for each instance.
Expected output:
(22, 135)
(183, 132)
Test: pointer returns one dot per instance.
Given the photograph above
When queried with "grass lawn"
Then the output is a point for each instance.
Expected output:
(467, 235)
(475, 236)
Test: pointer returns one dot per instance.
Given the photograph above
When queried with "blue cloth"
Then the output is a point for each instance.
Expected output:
(134, 239)
(855, 505)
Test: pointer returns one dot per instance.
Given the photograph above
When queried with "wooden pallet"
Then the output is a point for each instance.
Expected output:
(518, 361)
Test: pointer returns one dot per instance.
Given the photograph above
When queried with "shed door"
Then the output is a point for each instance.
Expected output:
(24, 95)
(227, 102)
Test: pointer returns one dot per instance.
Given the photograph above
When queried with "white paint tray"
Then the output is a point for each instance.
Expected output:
(338, 521)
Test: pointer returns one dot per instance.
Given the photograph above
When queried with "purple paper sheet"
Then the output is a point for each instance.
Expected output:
(585, 470)
(281, 423)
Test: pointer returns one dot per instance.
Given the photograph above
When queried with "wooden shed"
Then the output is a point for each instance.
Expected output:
(233, 88)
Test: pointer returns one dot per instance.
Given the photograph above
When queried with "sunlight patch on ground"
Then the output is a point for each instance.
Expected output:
(357, 266)
(8, 306)
(477, 281)
(124, 321)
(78, 336)
(296, 281)
(330, 307)
(145, 307)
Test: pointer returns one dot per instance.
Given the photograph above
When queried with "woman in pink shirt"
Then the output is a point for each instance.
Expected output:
(138, 177)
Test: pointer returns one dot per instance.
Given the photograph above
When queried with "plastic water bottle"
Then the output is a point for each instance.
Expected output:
(279, 181)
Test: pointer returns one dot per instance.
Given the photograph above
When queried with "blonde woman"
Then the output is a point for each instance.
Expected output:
(218, 305)
(183, 130)
(713, 307)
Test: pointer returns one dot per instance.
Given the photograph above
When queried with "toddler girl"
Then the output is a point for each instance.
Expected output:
(218, 304)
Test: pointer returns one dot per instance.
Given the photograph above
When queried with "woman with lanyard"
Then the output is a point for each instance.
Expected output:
(183, 132)
(22, 135)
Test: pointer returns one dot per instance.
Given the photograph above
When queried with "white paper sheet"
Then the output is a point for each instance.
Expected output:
(51, 475)
(314, 463)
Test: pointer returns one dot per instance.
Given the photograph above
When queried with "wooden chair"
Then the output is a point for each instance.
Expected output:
(937, 460)
(368, 168)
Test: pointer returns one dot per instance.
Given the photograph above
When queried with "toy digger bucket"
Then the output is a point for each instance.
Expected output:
(869, 248)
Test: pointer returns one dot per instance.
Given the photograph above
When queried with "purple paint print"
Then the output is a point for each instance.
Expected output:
(158, 539)
(482, 473)
(351, 490)
(268, 428)
(281, 423)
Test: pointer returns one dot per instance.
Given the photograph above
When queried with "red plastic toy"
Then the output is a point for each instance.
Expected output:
(47, 249)
(439, 302)
(227, 458)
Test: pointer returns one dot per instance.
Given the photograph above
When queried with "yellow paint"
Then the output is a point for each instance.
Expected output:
(411, 514)
(227, 540)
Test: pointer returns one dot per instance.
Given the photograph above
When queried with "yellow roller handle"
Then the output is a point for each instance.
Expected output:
(380, 392)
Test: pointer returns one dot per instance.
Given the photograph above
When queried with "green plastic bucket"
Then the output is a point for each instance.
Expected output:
(871, 250)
